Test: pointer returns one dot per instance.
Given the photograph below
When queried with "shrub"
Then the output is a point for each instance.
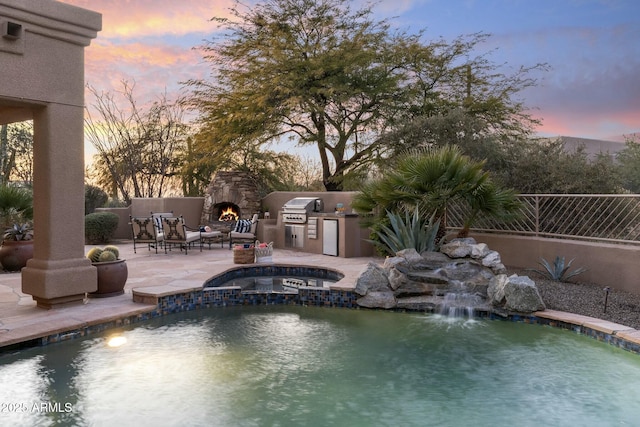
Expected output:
(115, 203)
(99, 227)
(94, 197)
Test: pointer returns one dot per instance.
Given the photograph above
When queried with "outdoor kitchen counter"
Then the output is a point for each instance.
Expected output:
(332, 215)
(351, 236)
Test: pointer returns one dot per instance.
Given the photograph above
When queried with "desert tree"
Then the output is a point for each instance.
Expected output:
(139, 147)
(325, 75)
(16, 153)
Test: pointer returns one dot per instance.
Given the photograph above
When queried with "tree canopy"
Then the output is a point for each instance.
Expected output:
(629, 160)
(16, 153)
(322, 74)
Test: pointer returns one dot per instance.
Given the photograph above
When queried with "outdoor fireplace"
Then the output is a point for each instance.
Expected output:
(227, 211)
(232, 195)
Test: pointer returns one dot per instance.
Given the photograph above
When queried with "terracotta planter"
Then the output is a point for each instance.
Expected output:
(112, 276)
(15, 253)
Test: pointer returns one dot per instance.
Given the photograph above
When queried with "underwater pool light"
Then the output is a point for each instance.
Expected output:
(116, 341)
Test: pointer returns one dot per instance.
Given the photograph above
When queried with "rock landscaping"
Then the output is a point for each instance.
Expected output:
(463, 274)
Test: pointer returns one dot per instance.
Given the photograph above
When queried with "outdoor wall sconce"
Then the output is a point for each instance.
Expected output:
(11, 30)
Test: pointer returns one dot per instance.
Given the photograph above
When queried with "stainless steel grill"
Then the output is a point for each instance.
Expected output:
(296, 211)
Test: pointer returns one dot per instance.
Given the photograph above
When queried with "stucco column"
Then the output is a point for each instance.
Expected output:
(59, 273)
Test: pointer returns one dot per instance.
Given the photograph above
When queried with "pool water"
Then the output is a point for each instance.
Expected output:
(310, 366)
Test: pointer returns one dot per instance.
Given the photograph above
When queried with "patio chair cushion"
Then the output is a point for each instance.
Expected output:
(236, 235)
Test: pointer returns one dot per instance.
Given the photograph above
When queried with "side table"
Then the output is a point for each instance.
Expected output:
(210, 237)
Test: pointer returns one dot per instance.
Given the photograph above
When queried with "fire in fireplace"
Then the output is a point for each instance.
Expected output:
(228, 212)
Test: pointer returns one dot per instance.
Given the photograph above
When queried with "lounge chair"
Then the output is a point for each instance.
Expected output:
(145, 230)
(244, 231)
(176, 233)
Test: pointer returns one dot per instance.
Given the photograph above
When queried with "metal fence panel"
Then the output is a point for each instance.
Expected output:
(606, 218)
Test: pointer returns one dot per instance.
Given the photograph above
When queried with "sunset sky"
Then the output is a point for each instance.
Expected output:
(592, 47)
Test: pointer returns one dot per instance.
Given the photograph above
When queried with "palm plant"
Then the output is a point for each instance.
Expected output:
(16, 206)
(432, 178)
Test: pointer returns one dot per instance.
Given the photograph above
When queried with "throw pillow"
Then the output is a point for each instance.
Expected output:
(243, 226)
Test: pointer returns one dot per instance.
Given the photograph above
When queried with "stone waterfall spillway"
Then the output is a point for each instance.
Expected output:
(460, 279)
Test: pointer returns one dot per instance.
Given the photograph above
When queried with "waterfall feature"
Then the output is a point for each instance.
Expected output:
(461, 304)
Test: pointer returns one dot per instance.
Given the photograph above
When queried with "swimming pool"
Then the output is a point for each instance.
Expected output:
(293, 365)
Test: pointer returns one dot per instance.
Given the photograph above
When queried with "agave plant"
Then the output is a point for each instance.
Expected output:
(559, 271)
(408, 231)
(19, 232)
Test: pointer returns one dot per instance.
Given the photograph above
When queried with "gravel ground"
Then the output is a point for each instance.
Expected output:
(588, 299)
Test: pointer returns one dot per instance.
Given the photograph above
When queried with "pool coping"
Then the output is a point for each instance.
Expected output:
(150, 302)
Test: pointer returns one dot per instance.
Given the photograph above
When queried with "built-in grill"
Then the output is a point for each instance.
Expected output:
(296, 211)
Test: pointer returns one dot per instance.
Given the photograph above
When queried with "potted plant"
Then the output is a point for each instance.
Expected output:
(17, 247)
(112, 271)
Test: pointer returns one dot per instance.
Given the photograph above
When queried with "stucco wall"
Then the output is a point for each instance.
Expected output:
(614, 265)
(189, 207)
(42, 61)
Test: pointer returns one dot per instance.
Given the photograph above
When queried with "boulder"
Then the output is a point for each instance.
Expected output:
(432, 261)
(515, 293)
(462, 270)
(491, 259)
(479, 250)
(393, 262)
(396, 278)
(373, 278)
(414, 289)
(495, 291)
(410, 255)
(421, 303)
(457, 248)
(377, 299)
(439, 278)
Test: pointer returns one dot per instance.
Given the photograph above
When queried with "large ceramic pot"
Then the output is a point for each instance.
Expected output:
(112, 276)
(14, 254)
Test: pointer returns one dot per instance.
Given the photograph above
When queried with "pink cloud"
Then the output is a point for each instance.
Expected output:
(598, 125)
(136, 18)
(154, 68)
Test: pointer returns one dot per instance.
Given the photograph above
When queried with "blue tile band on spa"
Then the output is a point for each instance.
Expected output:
(217, 292)
(233, 295)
